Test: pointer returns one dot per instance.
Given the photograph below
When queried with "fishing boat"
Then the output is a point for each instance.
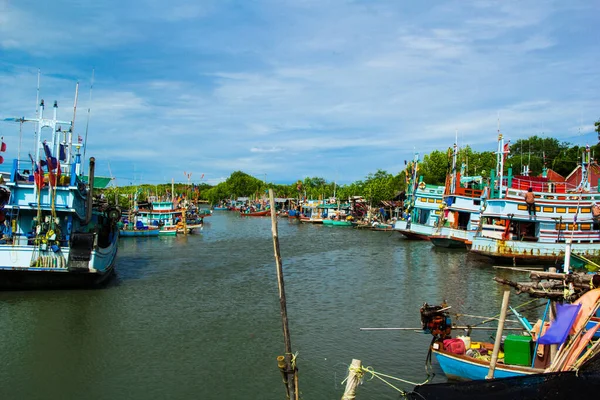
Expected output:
(263, 213)
(422, 206)
(424, 213)
(508, 233)
(461, 207)
(131, 226)
(138, 230)
(337, 222)
(581, 384)
(314, 211)
(373, 226)
(572, 330)
(527, 366)
(220, 208)
(55, 232)
(165, 216)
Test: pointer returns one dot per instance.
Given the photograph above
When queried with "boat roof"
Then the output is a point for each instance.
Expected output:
(100, 182)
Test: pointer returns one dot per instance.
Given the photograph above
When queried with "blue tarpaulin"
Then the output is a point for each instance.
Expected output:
(560, 327)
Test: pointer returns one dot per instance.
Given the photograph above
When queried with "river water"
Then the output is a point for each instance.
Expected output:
(198, 317)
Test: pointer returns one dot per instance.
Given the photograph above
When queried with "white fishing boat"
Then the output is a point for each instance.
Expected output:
(54, 232)
(563, 212)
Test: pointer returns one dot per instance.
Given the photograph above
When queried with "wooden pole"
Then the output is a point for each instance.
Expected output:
(291, 370)
(490, 374)
(551, 318)
(352, 380)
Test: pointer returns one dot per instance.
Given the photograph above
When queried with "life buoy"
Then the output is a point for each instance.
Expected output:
(422, 185)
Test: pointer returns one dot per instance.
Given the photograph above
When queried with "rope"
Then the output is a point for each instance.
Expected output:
(378, 375)
(293, 360)
(495, 317)
(359, 373)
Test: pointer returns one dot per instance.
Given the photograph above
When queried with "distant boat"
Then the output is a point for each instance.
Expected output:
(55, 233)
(377, 226)
(256, 213)
(334, 222)
(151, 231)
(165, 216)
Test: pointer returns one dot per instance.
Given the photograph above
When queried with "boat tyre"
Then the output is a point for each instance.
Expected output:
(114, 213)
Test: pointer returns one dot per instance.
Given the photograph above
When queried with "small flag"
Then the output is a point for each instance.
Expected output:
(79, 139)
(62, 153)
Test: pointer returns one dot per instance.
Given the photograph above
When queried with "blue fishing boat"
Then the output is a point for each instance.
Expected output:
(423, 205)
(563, 212)
(55, 232)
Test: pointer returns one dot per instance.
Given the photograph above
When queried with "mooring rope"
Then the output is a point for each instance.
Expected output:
(360, 372)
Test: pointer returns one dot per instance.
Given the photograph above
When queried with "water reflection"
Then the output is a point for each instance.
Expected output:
(198, 316)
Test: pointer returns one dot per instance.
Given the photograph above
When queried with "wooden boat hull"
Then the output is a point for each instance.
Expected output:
(311, 220)
(256, 214)
(412, 235)
(523, 252)
(35, 280)
(220, 208)
(331, 222)
(84, 269)
(448, 242)
(583, 384)
(464, 367)
(138, 233)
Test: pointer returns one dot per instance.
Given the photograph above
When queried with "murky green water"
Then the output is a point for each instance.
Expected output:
(197, 317)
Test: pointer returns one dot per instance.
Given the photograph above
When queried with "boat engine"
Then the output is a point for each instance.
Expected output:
(436, 321)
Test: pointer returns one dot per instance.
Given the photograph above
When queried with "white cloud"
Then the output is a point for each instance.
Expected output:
(288, 87)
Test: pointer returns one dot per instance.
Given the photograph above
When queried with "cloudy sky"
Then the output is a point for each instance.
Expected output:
(285, 89)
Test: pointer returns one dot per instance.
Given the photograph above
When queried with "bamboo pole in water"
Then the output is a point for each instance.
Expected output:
(290, 370)
(353, 379)
(496, 350)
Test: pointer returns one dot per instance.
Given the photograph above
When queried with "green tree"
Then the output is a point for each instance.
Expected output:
(435, 166)
(379, 186)
(242, 184)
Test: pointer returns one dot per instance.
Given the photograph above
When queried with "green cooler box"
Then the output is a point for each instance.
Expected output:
(517, 350)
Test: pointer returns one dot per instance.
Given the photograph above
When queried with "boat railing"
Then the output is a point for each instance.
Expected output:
(561, 196)
(23, 172)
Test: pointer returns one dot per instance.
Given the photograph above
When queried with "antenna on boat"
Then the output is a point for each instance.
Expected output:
(69, 141)
(87, 125)
(37, 108)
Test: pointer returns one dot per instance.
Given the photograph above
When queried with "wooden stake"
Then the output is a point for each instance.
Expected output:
(291, 370)
(490, 374)
(353, 379)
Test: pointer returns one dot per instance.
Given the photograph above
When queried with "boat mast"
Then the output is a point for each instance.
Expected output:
(454, 156)
(584, 185)
(69, 140)
(500, 161)
(87, 125)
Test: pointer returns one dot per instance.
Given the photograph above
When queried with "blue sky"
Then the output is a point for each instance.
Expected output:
(288, 89)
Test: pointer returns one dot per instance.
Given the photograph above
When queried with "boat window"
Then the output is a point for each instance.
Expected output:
(525, 231)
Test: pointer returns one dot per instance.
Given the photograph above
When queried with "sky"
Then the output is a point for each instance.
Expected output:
(285, 89)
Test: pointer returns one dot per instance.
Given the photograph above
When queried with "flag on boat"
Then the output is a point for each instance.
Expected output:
(505, 151)
(62, 153)
(2, 149)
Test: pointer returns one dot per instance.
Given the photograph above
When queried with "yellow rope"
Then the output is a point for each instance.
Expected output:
(293, 360)
(359, 372)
